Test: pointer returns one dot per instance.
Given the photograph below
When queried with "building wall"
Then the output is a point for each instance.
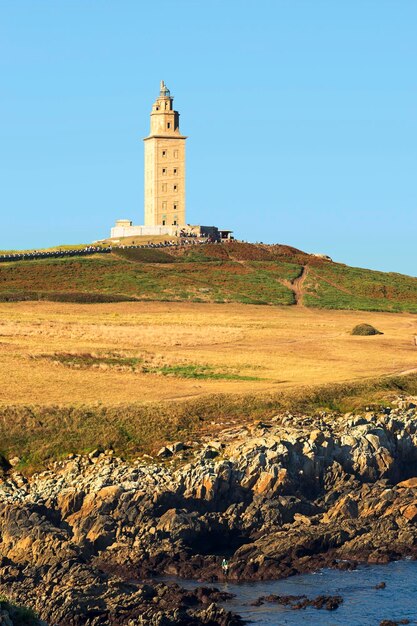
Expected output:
(164, 166)
(165, 181)
(118, 232)
(150, 183)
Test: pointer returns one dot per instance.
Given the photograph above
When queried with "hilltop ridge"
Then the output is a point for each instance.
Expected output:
(218, 273)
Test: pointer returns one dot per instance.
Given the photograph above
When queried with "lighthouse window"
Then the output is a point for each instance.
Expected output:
(175, 187)
(164, 170)
(175, 170)
(164, 186)
(175, 154)
(164, 152)
(175, 207)
(175, 223)
(169, 125)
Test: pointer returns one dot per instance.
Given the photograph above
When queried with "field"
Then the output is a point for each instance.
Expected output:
(142, 346)
(55, 353)
(133, 375)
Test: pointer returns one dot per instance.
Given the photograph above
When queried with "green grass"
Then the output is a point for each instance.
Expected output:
(234, 272)
(280, 270)
(20, 615)
(143, 365)
(39, 435)
(195, 254)
(114, 277)
(76, 246)
(334, 286)
(71, 296)
(144, 255)
(197, 371)
(85, 361)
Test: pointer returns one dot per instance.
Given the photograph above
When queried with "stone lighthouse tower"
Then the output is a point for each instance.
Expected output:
(164, 165)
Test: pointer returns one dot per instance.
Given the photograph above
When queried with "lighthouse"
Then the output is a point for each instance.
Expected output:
(164, 165)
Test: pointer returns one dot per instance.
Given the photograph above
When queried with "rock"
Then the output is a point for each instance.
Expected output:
(69, 501)
(299, 493)
(210, 453)
(95, 453)
(329, 603)
(262, 425)
(176, 447)
(381, 585)
(216, 445)
(164, 453)
(317, 437)
(410, 513)
(410, 483)
(345, 508)
(265, 483)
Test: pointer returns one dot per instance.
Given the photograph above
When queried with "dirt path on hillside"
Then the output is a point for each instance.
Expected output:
(296, 286)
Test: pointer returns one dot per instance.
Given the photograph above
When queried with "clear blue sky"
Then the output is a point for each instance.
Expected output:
(301, 117)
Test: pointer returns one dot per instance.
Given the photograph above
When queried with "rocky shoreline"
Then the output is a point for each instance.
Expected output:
(276, 499)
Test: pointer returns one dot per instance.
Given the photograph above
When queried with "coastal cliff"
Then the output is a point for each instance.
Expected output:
(83, 542)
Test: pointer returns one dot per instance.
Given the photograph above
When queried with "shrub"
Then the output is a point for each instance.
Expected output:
(53, 296)
(144, 255)
(21, 615)
(365, 330)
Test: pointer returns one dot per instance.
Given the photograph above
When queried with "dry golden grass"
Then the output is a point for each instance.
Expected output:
(282, 347)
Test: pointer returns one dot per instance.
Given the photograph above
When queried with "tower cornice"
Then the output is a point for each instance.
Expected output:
(165, 137)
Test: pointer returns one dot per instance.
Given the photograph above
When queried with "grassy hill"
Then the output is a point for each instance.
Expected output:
(229, 272)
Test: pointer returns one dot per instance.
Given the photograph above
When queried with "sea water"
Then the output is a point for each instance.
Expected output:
(363, 604)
